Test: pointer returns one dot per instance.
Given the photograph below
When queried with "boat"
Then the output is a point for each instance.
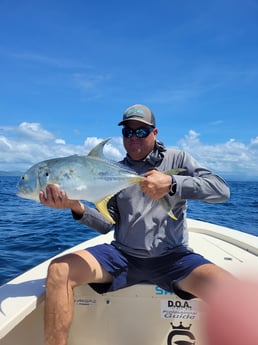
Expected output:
(140, 315)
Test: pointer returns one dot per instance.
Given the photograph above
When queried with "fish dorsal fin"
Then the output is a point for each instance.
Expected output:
(102, 207)
(97, 151)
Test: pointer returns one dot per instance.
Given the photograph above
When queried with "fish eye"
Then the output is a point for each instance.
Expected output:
(46, 174)
(25, 177)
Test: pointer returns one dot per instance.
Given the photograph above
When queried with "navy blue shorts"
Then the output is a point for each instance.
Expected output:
(127, 270)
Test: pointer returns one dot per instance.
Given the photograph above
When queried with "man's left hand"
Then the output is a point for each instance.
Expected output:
(156, 184)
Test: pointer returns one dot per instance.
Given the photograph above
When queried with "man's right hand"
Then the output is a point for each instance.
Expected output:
(57, 198)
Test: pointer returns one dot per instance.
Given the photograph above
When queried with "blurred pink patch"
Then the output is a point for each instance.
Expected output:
(232, 315)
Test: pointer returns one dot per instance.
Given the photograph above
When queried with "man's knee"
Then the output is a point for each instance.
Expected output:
(58, 272)
(74, 269)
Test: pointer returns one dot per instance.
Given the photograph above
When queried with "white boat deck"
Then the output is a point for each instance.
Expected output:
(99, 317)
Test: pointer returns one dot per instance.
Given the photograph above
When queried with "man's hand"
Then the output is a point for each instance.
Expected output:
(156, 184)
(56, 198)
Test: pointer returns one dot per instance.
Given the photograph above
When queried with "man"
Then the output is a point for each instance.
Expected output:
(149, 245)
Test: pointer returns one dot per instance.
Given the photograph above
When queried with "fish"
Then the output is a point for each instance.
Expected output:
(92, 178)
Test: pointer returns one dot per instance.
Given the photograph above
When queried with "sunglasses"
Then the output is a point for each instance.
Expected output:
(141, 132)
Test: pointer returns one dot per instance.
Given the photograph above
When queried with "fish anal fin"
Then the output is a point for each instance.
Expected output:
(102, 207)
(171, 215)
(164, 202)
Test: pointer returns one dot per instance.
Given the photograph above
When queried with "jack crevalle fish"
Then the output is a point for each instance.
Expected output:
(92, 178)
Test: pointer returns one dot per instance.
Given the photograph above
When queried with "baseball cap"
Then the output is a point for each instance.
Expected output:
(138, 112)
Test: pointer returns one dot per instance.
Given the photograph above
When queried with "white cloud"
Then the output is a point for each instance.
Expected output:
(60, 141)
(29, 143)
(34, 131)
(5, 144)
(230, 158)
(254, 141)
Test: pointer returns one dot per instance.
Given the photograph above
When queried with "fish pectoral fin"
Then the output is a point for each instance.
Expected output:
(102, 207)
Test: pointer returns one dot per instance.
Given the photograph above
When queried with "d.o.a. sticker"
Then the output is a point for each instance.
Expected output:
(179, 309)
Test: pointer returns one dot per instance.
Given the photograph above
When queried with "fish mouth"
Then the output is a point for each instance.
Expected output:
(22, 194)
(27, 195)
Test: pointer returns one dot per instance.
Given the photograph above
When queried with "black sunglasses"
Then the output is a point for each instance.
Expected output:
(141, 132)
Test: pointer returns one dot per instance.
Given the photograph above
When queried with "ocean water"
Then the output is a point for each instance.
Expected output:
(31, 233)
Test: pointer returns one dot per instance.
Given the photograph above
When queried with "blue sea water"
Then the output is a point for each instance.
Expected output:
(31, 233)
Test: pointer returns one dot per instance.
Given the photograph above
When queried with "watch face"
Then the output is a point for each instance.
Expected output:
(172, 189)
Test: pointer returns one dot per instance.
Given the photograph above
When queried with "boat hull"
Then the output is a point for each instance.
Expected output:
(141, 314)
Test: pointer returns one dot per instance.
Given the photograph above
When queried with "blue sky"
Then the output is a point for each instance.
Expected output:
(68, 69)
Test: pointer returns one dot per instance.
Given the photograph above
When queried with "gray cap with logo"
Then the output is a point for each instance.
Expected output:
(138, 112)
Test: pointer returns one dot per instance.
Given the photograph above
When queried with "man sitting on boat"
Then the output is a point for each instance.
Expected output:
(149, 246)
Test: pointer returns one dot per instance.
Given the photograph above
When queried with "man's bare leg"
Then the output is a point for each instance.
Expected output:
(64, 274)
(204, 280)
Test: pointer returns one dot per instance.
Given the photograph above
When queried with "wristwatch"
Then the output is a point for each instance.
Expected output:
(172, 189)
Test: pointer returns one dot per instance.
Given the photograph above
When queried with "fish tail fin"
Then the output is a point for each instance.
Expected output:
(174, 171)
(102, 207)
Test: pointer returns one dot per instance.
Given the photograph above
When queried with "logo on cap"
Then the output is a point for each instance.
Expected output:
(134, 113)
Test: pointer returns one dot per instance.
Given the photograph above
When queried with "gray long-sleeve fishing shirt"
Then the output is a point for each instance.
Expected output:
(143, 227)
